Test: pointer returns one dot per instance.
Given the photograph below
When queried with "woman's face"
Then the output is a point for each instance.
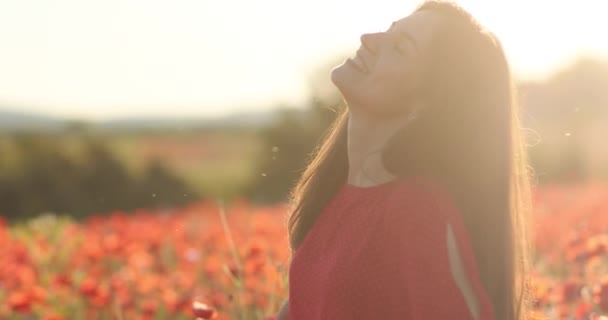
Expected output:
(385, 73)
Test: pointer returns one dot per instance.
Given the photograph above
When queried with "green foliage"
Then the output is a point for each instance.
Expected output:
(216, 163)
(288, 143)
(48, 179)
(287, 147)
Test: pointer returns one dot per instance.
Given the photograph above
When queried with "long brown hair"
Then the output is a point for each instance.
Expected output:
(468, 137)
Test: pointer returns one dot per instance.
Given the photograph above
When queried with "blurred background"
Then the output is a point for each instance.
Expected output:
(122, 105)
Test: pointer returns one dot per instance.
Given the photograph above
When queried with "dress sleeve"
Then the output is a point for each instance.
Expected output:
(415, 277)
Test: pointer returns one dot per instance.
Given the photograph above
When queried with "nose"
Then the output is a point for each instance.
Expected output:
(369, 41)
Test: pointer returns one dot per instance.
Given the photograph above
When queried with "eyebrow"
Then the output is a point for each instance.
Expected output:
(407, 36)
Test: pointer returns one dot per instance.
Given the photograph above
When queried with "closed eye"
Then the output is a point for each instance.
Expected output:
(402, 35)
(399, 49)
(401, 45)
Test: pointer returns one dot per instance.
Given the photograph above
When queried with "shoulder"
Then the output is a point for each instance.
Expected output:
(412, 217)
(412, 234)
(419, 200)
(420, 254)
(416, 218)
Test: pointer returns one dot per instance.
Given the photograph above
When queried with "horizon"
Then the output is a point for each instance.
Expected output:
(133, 58)
(236, 112)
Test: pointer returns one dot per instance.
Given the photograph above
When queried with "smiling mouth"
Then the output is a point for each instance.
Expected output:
(359, 63)
(354, 65)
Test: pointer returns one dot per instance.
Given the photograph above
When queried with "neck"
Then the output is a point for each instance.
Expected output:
(366, 136)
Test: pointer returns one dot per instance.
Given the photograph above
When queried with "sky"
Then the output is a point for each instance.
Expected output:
(106, 59)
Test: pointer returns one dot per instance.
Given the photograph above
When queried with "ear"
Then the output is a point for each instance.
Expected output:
(459, 274)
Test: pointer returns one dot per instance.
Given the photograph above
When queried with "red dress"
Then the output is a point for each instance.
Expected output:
(380, 252)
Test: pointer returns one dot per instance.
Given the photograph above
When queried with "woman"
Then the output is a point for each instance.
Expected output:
(414, 205)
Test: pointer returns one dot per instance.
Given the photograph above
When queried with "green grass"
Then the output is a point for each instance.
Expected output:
(228, 165)
(214, 163)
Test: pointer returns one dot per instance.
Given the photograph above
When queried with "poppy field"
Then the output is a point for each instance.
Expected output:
(570, 225)
(199, 261)
(208, 260)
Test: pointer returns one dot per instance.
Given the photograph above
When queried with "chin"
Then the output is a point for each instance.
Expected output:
(337, 75)
(342, 77)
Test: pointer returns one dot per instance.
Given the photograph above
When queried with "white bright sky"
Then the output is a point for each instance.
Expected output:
(112, 58)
